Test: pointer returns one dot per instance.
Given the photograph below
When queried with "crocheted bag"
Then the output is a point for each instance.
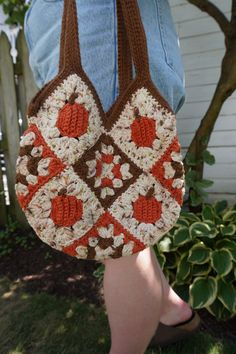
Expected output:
(96, 184)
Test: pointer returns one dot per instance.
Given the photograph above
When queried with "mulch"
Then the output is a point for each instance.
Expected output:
(43, 269)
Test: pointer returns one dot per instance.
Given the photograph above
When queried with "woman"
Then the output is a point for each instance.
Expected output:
(138, 298)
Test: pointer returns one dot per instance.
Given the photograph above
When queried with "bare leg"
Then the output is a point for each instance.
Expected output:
(174, 309)
(133, 298)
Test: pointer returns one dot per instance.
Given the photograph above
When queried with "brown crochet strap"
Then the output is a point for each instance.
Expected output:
(137, 37)
(124, 54)
(69, 41)
(70, 48)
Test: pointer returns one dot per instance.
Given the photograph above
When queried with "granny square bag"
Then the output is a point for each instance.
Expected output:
(96, 184)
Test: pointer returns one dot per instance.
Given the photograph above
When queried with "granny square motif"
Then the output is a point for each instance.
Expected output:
(97, 184)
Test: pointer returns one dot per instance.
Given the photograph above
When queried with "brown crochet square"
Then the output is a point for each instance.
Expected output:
(101, 162)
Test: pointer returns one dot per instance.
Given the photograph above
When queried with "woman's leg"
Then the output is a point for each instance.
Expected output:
(138, 296)
(174, 309)
(133, 299)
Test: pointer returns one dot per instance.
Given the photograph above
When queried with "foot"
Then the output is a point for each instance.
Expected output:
(165, 335)
(179, 313)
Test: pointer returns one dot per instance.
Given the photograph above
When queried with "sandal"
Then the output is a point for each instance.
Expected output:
(167, 334)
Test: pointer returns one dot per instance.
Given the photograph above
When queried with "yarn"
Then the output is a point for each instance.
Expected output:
(96, 184)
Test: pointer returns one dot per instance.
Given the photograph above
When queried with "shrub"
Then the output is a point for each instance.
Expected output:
(198, 257)
(11, 237)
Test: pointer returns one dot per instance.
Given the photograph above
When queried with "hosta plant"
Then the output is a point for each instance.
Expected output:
(198, 257)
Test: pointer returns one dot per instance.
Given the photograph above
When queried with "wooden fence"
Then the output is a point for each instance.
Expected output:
(17, 87)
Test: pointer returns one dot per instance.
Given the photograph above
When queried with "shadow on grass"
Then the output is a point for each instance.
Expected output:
(45, 324)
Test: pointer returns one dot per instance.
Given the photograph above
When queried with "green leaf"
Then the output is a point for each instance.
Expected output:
(221, 261)
(161, 259)
(165, 244)
(182, 290)
(208, 157)
(220, 206)
(204, 139)
(190, 216)
(214, 231)
(227, 295)
(228, 230)
(218, 310)
(199, 253)
(182, 222)
(190, 178)
(228, 244)
(204, 183)
(201, 229)
(183, 268)
(181, 236)
(230, 216)
(202, 292)
(191, 159)
(195, 198)
(201, 269)
(171, 260)
(208, 212)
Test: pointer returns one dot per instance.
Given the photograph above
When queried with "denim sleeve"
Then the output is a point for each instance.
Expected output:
(98, 39)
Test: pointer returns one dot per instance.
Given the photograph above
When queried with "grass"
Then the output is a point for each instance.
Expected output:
(45, 324)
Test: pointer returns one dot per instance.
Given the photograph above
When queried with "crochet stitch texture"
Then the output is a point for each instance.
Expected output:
(97, 184)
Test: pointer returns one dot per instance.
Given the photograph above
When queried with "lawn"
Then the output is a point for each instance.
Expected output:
(42, 323)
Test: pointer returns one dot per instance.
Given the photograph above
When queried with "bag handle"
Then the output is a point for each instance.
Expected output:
(125, 72)
(69, 44)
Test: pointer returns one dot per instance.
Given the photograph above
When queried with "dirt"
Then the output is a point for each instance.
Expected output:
(43, 269)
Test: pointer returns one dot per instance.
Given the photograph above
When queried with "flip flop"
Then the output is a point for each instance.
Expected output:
(168, 334)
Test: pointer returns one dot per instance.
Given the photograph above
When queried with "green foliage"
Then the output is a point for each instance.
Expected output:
(193, 178)
(198, 258)
(15, 11)
(203, 246)
(11, 237)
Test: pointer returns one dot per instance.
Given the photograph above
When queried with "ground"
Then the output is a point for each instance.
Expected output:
(46, 275)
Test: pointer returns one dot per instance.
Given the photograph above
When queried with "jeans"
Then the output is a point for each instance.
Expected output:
(98, 45)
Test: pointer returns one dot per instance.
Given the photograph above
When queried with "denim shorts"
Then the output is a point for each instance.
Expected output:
(97, 26)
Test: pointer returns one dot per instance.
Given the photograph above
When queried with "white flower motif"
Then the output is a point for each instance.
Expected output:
(107, 180)
(27, 139)
(106, 191)
(169, 170)
(176, 156)
(103, 253)
(125, 171)
(128, 248)
(106, 232)
(93, 241)
(37, 151)
(31, 179)
(117, 183)
(21, 189)
(177, 183)
(21, 165)
(118, 240)
(82, 251)
(43, 166)
(92, 167)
